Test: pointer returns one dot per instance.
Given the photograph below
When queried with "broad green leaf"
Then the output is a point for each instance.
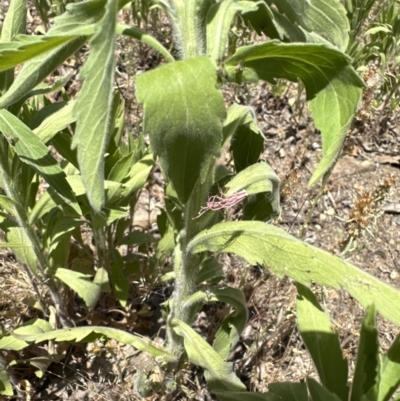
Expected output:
(315, 64)
(325, 17)
(289, 391)
(183, 113)
(91, 333)
(366, 374)
(257, 178)
(210, 271)
(34, 153)
(218, 373)
(80, 283)
(36, 69)
(390, 371)
(55, 122)
(274, 248)
(23, 49)
(24, 250)
(93, 106)
(6, 387)
(119, 281)
(11, 343)
(333, 110)
(226, 395)
(33, 326)
(322, 342)
(219, 20)
(121, 168)
(144, 37)
(319, 392)
(136, 237)
(101, 279)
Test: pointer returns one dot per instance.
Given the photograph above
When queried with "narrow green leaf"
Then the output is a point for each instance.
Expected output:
(121, 168)
(226, 395)
(366, 374)
(319, 392)
(55, 122)
(218, 373)
(390, 373)
(333, 110)
(315, 64)
(289, 391)
(19, 51)
(183, 113)
(93, 106)
(119, 280)
(34, 153)
(11, 343)
(210, 271)
(80, 283)
(322, 342)
(7, 204)
(91, 333)
(36, 69)
(23, 251)
(136, 237)
(6, 387)
(274, 248)
(219, 20)
(137, 33)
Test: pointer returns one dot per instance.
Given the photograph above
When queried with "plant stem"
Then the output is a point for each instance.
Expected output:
(12, 191)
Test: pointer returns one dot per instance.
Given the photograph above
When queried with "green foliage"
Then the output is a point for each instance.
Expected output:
(99, 170)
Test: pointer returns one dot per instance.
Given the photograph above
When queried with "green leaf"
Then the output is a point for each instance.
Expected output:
(6, 387)
(7, 204)
(390, 372)
(319, 392)
(36, 69)
(121, 168)
(333, 110)
(289, 391)
(136, 237)
(28, 47)
(183, 113)
(366, 373)
(34, 153)
(258, 178)
(325, 17)
(274, 248)
(210, 271)
(23, 251)
(11, 343)
(55, 122)
(136, 33)
(91, 333)
(93, 107)
(322, 342)
(315, 64)
(218, 373)
(219, 20)
(245, 396)
(119, 281)
(80, 283)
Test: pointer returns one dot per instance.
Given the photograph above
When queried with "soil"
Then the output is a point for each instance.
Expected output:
(270, 348)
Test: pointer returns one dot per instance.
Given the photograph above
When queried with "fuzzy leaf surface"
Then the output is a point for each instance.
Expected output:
(315, 64)
(88, 334)
(93, 107)
(218, 373)
(322, 342)
(274, 248)
(183, 113)
(390, 372)
(366, 372)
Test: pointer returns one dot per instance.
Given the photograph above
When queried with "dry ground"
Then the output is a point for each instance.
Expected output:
(270, 348)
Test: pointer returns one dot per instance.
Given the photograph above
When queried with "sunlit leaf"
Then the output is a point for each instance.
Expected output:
(6, 387)
(183, 113)
(274, 248)
(390, 371)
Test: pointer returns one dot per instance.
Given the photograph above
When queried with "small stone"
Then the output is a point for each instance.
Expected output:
(394, 275)
(330, 211)
(282, 153)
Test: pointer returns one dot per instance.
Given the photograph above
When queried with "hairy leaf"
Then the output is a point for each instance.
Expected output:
(91, 333)
(183, 113)
(322, 342)
(80, 283)
(272, 247)
(315, 64)
(390, 372)
(93, 107)
(366, 372)
(218, 373)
